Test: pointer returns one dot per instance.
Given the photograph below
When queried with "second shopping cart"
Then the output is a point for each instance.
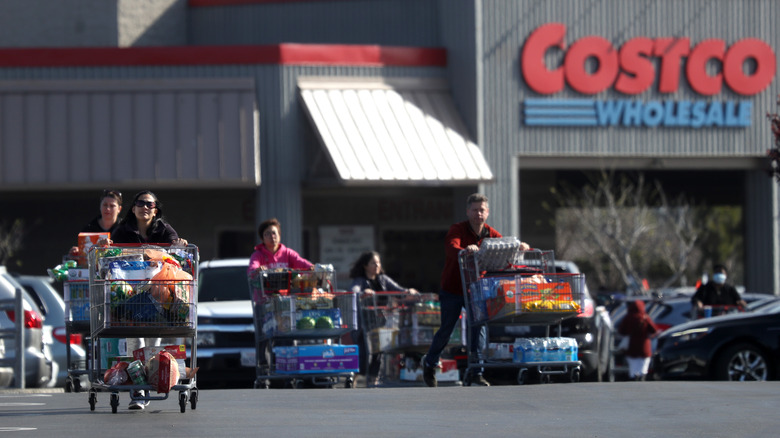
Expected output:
(299, 320)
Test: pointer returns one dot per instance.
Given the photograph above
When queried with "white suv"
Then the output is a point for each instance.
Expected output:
(226, 331)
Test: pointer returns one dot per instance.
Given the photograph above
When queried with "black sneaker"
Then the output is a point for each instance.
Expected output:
(479, 380)
(429, 374)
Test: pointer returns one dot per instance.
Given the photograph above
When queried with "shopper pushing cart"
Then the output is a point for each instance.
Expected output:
(144, 291)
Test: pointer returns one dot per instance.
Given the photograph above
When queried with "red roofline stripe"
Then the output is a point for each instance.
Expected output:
(281, 54)
(207, 3)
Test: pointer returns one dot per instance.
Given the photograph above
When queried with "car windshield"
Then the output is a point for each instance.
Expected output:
(223, 284)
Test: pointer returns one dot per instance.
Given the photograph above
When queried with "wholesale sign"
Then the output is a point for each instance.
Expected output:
(632, 69)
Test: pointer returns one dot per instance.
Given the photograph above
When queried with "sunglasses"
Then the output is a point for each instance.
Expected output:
(147, 204)
(114, 193)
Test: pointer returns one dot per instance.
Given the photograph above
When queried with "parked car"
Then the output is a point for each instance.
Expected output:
(226, 331)
(6, 372)
(38, 362)
(740, 346)
(665, 313)
(592, 329)
(52, 308)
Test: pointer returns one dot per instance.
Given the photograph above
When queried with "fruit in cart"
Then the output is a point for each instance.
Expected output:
(306, 323)
(324, 322)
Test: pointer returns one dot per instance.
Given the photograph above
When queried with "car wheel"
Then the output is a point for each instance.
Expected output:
(742, 362)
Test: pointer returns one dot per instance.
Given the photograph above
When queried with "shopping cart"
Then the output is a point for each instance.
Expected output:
(709, 311)
(76, 294)
(299, 319)
(505, 285)
(144, 292)
(401, 325)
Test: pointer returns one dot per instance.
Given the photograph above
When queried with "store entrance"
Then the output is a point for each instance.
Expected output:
(414, 258)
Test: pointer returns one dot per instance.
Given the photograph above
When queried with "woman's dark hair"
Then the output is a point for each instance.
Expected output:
(358, 269)
(268, 223)
(158, 215)
(116, 194)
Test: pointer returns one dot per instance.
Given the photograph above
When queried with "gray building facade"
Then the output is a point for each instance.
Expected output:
(330, 115)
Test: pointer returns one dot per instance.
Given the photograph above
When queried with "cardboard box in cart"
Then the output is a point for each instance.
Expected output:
(317, 359)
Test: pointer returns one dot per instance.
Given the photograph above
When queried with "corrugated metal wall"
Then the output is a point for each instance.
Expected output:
(75, 134)
(385, 22)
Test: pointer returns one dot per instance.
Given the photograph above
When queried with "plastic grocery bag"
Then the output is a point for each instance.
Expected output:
(171, 288)
(117, 374)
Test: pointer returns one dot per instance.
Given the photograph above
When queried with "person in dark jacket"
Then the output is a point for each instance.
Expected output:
(145, 223)
(716, 292)
(368, 277)
(107, 220)
(639, 328)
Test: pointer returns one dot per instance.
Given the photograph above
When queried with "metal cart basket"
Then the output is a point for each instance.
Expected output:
(143, 292)
(402, 325)
(76, 294)
(505, 285)
(298, 315)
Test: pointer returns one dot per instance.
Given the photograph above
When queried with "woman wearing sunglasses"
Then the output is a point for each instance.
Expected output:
(145, 224)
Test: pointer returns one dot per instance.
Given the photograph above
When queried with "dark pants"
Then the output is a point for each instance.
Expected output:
(451, 306)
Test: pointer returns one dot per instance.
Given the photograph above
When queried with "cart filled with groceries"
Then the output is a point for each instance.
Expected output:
(299, 320)
(143, 292)
(401, 326)
(506, 285)
(73, 272)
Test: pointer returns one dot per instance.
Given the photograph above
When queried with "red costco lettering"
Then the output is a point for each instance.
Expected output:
(631, 70)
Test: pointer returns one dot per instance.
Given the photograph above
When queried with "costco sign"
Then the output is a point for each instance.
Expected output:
(631, 69)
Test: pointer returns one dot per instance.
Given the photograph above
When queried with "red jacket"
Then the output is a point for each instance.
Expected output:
(638, 326)
(459, 237)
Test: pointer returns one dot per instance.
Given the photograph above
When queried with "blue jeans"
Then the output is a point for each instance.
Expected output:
(451, 307)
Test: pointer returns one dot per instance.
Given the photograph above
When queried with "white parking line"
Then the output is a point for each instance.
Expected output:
(16, 429)
(22, 404)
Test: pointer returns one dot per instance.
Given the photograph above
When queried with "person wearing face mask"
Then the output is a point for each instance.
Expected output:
(717, 292)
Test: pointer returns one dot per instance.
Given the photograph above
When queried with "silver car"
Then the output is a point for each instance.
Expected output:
(52, 307)
(6, 373)
(38, 365)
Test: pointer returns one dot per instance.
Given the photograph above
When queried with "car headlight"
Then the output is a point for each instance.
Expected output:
(206, 339)
(689, 335)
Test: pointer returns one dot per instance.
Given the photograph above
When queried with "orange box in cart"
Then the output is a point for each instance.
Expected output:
(85, 242)
(534, 293)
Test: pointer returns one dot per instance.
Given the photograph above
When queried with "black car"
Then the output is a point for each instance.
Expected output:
(741, 346)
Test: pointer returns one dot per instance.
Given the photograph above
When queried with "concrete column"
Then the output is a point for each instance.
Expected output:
(762, 250)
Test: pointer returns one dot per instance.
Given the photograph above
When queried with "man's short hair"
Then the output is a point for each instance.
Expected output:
(719, 267)
(476, 197)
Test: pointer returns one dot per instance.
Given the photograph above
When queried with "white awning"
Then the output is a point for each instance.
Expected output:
(392, 130)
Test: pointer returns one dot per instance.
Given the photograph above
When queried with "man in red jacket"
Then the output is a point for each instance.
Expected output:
(462, 235)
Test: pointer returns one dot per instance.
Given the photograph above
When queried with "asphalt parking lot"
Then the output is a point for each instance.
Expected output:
(625, 409)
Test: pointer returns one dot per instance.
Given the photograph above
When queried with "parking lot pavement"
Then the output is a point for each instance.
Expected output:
(648, 409)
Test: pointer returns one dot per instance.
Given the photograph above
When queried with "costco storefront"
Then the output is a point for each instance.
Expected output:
(379, 126)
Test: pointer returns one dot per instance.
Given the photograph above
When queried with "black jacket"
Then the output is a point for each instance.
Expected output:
(161, 232)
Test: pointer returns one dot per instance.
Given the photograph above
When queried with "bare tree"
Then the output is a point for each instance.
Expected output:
(11, 236)
(627, 229)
